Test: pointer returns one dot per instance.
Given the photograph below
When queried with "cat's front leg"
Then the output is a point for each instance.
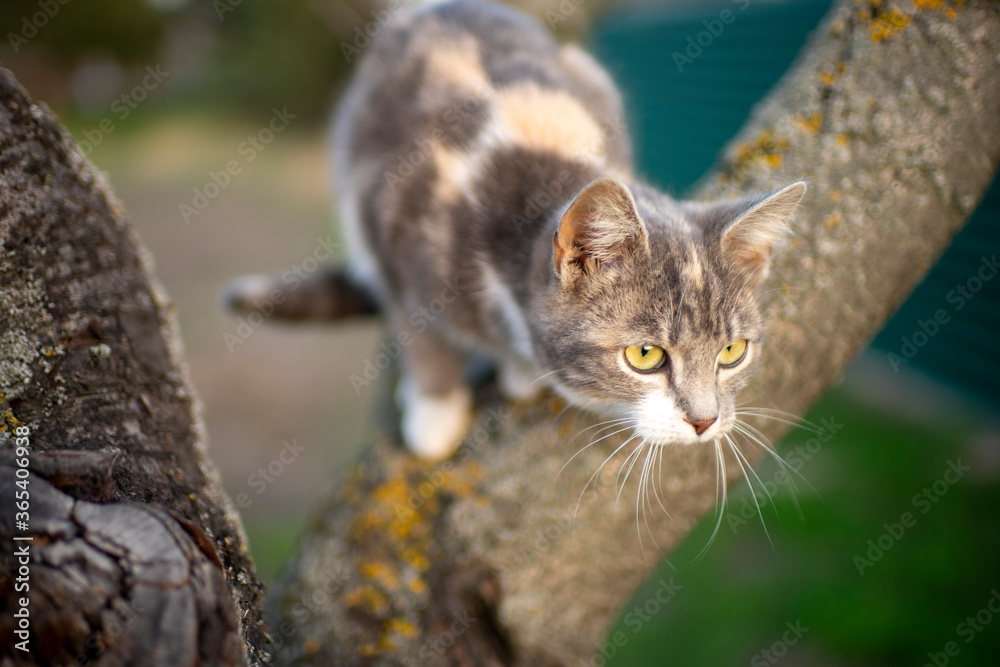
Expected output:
(435, 401)
(519, 381)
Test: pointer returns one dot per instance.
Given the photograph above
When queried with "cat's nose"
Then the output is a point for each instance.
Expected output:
(702, 425)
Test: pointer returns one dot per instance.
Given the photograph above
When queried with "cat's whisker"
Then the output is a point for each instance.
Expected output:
(680, 305)
(743, 405)
(651, 458)
(598, 471)
(793, 418)
(758, 438)
(738, 294)
(545, 375)
(740, 455)
(568, 407)
(793, 488)
(720, 483)
(659, 483)
(780, 416)
(739, 462)
(633, 456)
(591, 445)
(644, 482)
(639, 506)
(783, 288)
(618, 420)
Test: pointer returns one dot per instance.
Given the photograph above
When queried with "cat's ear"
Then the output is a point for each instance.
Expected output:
(600, 226)
(748, 239)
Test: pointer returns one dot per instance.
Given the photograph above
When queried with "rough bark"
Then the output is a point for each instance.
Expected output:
(891, 114)
(137, 555)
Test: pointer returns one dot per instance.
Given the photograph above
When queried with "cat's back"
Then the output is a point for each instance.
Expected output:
(439, 77)
(445, 94)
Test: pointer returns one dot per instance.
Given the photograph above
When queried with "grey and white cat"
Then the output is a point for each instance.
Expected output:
(484, 168)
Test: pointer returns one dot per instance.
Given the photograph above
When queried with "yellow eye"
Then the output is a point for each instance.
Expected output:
(733, 354)
(645, 357)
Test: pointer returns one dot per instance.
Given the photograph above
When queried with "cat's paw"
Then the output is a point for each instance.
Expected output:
(246, 294)
(434, 426)
(518, 381)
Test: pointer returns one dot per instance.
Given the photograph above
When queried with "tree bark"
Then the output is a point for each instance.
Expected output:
(137, 556)
(890, 114)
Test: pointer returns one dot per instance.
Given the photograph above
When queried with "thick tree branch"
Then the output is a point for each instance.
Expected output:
(891, 115)
(90, 362)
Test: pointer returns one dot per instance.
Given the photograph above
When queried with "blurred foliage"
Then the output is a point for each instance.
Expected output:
(279, 54)
(129, 30)
(230, 56)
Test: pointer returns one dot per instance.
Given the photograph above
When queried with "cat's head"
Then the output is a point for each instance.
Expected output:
(652, 313)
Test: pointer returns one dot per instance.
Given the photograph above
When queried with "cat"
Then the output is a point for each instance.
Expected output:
(486, 191)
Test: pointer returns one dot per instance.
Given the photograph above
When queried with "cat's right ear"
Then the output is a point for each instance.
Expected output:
(600, 226)
(749, 238)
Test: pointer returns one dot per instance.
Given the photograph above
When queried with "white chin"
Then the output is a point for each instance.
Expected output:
(659, 421)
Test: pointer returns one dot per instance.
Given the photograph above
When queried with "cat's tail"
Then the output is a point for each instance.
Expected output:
(327, 294)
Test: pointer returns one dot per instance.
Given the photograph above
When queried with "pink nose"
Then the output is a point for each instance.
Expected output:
(702, 426)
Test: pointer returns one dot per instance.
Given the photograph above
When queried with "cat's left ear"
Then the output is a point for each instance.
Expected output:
(599, 228)
(748, 239)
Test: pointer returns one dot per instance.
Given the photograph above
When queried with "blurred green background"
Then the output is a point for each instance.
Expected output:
(163, 93)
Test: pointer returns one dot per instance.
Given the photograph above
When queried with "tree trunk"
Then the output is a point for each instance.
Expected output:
(137, 555)
(891, 115)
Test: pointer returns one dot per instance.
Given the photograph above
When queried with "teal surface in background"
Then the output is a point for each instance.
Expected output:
(741, 603)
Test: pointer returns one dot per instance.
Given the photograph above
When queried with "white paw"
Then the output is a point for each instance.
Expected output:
(519, 381)
(242, 295)
(434, 426)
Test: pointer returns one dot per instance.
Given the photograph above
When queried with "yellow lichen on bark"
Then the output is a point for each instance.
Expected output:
(394, 535)
(767, 150)
(810, 124)
(887, 25)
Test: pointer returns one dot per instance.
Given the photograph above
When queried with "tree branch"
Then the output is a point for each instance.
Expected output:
(90, 363)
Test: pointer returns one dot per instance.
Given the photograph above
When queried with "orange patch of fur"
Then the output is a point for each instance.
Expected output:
(457, 63)
(550, 120)
(448, 162)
